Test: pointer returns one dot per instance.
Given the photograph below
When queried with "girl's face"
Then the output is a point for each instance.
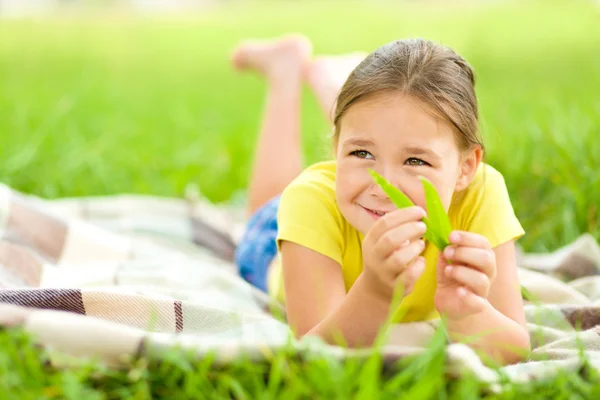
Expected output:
(398, 137)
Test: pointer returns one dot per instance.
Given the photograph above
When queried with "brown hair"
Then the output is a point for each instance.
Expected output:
(420, 68)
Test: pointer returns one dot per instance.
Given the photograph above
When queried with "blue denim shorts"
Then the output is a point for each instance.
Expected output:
(258, 246)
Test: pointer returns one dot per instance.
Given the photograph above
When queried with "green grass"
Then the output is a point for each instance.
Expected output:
(25, 373)
(121, 104)
(117, 103)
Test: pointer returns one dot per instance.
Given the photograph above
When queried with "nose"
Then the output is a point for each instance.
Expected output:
(389, 176)
(377, 192)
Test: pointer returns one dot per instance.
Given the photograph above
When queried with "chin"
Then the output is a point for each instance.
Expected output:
(361, 221)
(351, 215)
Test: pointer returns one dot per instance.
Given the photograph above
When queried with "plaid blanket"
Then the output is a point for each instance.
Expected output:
(134, 275)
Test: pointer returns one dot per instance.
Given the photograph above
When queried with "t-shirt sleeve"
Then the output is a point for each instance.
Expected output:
(308, 216)
(487, 210)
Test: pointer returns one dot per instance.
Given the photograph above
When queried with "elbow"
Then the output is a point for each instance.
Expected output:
(519, 348)
(300, 331)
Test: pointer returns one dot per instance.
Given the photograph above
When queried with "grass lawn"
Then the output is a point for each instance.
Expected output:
(117, 103)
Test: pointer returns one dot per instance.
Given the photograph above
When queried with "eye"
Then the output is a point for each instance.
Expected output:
(415, 162)
(362, 154)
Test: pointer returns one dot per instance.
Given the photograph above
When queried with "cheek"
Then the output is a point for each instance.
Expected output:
(446, 197)
(341, 187)
(414, 191)
(445, 190)
(345, 195)
(444, 185)
(349, 180)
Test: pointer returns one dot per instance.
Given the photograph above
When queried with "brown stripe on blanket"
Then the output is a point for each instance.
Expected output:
(394, 355)
(213, 239)
(576, 266)
(20, 264)
(51, 299)
(178, 316)
(583, 317)
(40, 231)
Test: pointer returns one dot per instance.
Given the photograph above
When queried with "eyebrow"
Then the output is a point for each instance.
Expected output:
(358, 142)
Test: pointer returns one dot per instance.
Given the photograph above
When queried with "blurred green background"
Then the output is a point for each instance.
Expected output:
(112, 102)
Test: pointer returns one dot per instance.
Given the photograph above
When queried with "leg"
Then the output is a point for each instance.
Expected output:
(326, 76)
(278, 157)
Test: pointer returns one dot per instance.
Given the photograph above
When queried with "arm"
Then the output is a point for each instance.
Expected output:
(315, 292)
(317, 303)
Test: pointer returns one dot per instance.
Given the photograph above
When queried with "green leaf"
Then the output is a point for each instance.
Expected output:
(432, 236)
(437, 221)
(436, 212)
(398, 198)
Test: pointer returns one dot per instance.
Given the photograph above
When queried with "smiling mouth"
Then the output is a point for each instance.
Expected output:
(374, 213)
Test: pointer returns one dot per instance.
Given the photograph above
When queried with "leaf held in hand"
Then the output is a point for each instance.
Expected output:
(437, 221)
(398, 198)
(436, 215)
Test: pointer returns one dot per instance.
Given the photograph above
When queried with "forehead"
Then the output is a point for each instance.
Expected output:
(395, 118)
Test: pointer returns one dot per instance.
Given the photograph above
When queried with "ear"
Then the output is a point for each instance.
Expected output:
(470, 161)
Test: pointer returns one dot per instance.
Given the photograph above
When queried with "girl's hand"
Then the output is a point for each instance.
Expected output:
(465, 272)
(391, 252)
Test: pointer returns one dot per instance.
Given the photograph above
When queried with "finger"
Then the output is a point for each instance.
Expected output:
(472, 279)
(400, 236)
(470, 300)
(482, 259)
(399, 260)
(396, 218)
(411, 274)
(469, 239)
(440, 269)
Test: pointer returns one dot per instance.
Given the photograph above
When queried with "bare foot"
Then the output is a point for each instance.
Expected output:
(326, 76)
(275, 57)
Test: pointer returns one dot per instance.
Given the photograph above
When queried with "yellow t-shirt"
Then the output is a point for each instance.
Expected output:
(309, 216)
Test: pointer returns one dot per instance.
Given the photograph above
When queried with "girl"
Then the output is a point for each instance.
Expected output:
(328, 241)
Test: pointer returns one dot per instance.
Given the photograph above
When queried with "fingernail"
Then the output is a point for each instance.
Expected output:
(449, 252)
(462, 292)
(454, 237)
(448, 271)
(421, 212)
